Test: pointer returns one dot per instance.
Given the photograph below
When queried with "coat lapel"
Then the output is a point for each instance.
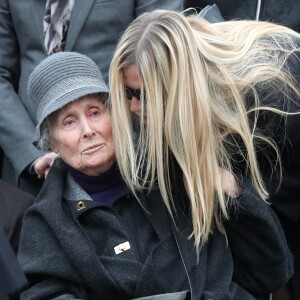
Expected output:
(157, 213)
(38, 14)
(79, 14)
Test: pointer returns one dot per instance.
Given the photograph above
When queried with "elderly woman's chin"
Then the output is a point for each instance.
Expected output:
(92, 164)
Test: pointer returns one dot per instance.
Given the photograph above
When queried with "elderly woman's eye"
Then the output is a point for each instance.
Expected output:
(95, 112)
(68, 122)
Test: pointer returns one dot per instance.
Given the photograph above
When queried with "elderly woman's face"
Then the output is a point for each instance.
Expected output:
(81, 133)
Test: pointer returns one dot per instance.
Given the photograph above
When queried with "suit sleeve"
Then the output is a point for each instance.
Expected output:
(16, 126)
(262, 260)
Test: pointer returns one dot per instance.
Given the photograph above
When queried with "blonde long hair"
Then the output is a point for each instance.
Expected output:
(197, 77)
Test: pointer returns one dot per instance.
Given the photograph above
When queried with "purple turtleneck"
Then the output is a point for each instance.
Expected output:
(105, 188)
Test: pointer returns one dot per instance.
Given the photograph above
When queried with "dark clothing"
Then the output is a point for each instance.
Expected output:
(74, 241)
(12, 277)
(284, 12)
(284, 130)
(292, 229)
(284, 195)
(105, 188)
(13, 204)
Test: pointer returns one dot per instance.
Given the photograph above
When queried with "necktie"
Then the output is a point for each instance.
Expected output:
(56, 22)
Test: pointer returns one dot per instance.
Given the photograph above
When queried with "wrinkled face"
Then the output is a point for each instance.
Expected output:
(132, 81)
(81, 133)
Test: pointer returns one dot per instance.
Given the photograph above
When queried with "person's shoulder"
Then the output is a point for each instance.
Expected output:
(54, 184)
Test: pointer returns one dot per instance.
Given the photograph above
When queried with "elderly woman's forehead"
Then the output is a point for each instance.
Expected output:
(91, 96)
(87, 98)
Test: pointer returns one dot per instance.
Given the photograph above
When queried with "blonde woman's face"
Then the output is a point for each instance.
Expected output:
(81, 133)
(133, 84)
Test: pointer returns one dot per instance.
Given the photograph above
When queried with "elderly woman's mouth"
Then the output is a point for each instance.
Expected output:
(92, 148)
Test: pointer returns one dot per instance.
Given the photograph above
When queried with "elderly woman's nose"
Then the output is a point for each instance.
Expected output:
(87, 129)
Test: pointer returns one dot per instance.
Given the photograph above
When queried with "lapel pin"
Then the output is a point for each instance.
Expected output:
(122, 247)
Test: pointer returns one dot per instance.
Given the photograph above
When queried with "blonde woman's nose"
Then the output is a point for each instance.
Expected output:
(135, 105)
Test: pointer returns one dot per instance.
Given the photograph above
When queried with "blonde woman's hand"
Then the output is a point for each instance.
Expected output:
(42, 165)
(229, 184)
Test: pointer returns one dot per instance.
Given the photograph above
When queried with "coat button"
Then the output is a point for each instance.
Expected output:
(80, 205)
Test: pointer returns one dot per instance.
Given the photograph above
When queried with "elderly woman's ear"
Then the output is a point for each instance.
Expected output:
(53, 148)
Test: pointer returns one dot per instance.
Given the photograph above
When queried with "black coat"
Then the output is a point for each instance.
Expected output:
(284, 12)
(68, 241)
(13, 204)
(12, 277)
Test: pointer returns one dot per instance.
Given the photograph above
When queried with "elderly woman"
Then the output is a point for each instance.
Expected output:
(88, 237)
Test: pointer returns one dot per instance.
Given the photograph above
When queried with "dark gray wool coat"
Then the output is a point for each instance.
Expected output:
(69, 246)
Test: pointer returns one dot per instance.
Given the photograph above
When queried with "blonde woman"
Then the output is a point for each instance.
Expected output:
(200, 92)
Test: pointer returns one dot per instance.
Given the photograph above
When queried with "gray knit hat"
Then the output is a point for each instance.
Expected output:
(60, 79)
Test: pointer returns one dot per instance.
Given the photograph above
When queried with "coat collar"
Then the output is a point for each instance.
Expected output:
(156, 212)
(73, 190)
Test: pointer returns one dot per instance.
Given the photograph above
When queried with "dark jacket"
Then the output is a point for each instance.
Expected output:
(284, 12)
(13, 204)
(68, 242)
(12, 277)
(284, 131)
